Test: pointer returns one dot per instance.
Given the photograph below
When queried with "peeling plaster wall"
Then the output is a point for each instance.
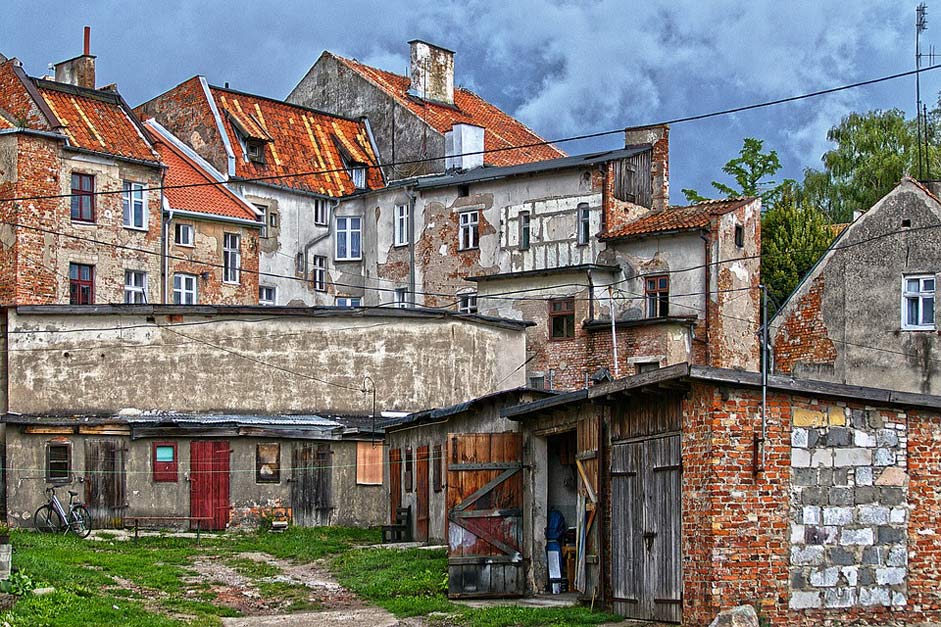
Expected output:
(416, 362)
(843, 323)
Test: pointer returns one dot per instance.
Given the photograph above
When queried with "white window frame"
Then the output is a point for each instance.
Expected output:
(321, 212)
(185, 289)
(345, 236)
(467, 303)
(349, 301)
(320, 273)
(358, 176)
(584, 224)
(231, 258)
(923, 294)
(525, 224)
(400, 225)
(401, 297)
(469, 223)
(135, 292)
(182, 227)
(134, 194)
(268, 302)
(263, 219)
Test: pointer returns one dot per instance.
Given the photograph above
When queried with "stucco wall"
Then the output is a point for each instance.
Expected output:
(299, 361)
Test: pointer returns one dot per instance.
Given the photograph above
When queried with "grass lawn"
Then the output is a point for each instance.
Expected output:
(154, 582)
(414, 582)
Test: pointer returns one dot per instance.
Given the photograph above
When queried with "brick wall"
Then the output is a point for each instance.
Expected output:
(802, 336)
(206, 258)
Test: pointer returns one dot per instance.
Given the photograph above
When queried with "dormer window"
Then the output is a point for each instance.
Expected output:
(357, 174)
(255, 150)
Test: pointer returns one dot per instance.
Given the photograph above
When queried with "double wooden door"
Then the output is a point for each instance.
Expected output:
(312, 484)
(209, 483)
(105, 482)
(646, 567)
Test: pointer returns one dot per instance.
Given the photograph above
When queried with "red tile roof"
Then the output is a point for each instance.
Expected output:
(677, 218)
(297, 139)
(182, 169)
(96, 120)
(502, 130)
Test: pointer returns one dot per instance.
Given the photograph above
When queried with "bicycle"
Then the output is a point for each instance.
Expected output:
(52, 517)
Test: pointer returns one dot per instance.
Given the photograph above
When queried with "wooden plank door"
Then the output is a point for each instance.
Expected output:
(484, 504)
(311, 484)
(209, 483)
(105, 482)
(395, 482)
(646, 569)
(587, 526)
(421, 494)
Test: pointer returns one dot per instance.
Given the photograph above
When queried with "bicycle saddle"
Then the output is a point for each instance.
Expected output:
(73, 493)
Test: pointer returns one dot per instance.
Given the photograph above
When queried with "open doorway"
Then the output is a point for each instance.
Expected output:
(561, 497)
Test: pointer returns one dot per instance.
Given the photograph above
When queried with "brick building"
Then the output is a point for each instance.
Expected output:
(211, 234)
(865, 313)
(293, 164)
(82, 165)
(420, 116)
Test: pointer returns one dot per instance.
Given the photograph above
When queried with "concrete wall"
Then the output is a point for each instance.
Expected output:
(843, 323)
(357, 505)
(254, 361)
(400, 135)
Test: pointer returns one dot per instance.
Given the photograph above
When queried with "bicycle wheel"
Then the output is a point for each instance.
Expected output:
(80, 524)
(46, 519)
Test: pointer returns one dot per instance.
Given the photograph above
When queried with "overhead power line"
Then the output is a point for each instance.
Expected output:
(561, 140)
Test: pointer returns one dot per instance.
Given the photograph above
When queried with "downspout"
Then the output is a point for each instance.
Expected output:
(591, 297)
(167, 218)
(411, 246)
(316, 240)
(708, 291)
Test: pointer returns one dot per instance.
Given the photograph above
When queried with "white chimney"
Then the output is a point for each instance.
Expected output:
(460, 140)
(80, 70)
(432, 71)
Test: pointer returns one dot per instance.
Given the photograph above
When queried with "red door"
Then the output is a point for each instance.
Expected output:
(209, 483)
(395, 483)
(421, 495)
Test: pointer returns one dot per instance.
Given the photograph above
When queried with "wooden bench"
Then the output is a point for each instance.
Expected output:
(134, 521)
(401, 531)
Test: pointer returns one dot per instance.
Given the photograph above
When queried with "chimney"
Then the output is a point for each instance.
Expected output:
(432, 70)
(461, 139)
(659, 137)
(79, 71)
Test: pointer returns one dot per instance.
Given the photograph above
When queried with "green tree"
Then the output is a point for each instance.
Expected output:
(751, 171)
(794, 234)
(873, 151)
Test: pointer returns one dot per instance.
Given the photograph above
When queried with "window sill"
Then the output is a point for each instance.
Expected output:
(84, 223)
(318, 224)
(184, 245)
(343, 259)
(232, 282)
(464, 250)
(402, 245)
(142, 229)
(931, 328)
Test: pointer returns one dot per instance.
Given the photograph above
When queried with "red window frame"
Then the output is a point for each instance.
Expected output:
(83, 197)
(164, 471)
(81, 288)
(562, 318)
(657, 296)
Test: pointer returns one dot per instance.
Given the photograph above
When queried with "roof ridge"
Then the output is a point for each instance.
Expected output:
(283, 102)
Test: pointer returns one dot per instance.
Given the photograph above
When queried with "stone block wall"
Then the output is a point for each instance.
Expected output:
(849, 508)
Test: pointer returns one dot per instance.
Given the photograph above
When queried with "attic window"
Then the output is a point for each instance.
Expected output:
(357, 174)
(740, 236)
(255, 150)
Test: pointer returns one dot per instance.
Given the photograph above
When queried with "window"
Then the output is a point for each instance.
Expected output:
(320, 273)
(657, 293)
(321, 213)
(407, 476)
(358, 176)
(467, 303)
(267, 295)
(400, 227)
(58, 462)
(524, 230)
(231, 257)
(135, 287)
(349, 233)
(918, 302)
(468, 235)
(537, 382)
(463, 191)
(584, 225)
(83, 197)
(346, 301)
(401, 297)
(436, 462)
(183, 234)
(81, 284)
(740, 236)
(646, 366)
(255, 150)
(134, 201)
(369, 463)
(562, 318)
(273, 220)
(263, 218)
(164, 461)
(300, 267)
(268, 463)
(184, 289)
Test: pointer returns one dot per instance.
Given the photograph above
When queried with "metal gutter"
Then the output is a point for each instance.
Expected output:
(220, 126)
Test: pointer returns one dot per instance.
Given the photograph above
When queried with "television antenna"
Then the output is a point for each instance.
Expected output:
(921, 111)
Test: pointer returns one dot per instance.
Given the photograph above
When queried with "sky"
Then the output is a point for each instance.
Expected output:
(563, 68)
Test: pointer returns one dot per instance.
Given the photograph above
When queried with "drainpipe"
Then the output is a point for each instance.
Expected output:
(764, 376)
(591, 297)
(614, 335)
(311, 243)
(167, 218)
(411, 245)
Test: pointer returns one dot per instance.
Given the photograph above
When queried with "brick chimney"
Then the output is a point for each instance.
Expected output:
(432, 71)
(659, 137)
(79, 71)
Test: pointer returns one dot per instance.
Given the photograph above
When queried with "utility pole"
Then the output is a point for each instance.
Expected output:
(921, 24)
